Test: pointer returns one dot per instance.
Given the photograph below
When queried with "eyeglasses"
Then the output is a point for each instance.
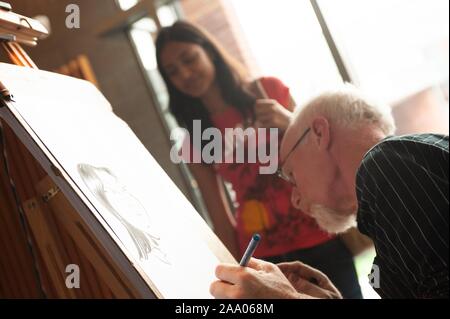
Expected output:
(280, 173)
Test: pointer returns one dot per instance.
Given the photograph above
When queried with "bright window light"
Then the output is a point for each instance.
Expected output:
(287, 42)
(142, 34)
(127, 4)
(395, 48)
(167, 15)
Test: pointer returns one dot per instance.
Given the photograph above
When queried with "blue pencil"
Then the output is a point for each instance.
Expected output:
(250, 250)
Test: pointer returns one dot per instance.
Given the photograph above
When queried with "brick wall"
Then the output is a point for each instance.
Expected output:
(217, 16)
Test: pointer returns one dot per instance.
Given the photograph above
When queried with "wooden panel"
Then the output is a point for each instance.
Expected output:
(16, 263)
(49, 247)
(68, 220)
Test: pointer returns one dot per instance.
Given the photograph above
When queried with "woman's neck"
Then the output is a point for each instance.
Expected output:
(213, 100)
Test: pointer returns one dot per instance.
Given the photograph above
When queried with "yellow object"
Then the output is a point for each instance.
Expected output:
(255, 217)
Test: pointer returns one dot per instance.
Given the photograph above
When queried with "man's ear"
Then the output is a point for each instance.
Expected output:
(321, 133)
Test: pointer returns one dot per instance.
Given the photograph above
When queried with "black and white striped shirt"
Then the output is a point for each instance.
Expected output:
(403, 195)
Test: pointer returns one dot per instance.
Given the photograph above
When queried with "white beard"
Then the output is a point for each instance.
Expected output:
(332, 221)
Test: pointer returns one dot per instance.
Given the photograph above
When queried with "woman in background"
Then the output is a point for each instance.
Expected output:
(205, 84)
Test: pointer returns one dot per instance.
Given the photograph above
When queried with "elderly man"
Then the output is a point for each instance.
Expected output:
(347, 169)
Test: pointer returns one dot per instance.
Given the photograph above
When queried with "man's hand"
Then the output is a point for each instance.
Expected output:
(260, 280)
(309, 281)
(270, 114)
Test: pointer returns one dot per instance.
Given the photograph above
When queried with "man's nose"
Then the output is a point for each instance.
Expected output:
(296, 198)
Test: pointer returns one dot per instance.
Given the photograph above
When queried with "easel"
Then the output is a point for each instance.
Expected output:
(16, 29)
(54, 233)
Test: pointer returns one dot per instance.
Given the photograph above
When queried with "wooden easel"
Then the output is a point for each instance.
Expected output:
(17, 55)
(53, 230)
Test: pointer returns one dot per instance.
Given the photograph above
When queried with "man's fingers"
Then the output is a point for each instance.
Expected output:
(235, 274)
(307, 278)
(228, 273)
(223, 290)
(327, 284)
(257, 264)
(309, 272)
(306, 287)
(295, 266)
(304, 271)
(254, 263)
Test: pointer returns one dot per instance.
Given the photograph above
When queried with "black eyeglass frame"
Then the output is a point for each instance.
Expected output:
(280, 173)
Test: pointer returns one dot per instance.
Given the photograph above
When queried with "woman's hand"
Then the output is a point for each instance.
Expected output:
(271, 114)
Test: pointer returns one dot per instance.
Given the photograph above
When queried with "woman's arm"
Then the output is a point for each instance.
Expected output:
(214, 196)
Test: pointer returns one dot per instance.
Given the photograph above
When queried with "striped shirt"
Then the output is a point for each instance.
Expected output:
(403, 197)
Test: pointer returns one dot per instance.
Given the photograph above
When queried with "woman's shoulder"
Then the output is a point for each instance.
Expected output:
(271, 80)
(275, 88)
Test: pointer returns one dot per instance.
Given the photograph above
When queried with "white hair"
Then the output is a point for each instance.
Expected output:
(348, 107)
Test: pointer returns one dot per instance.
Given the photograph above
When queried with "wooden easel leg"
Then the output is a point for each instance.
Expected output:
(17, 55)
(48, 247)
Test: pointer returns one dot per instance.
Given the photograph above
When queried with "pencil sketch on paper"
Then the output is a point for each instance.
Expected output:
(125, 207)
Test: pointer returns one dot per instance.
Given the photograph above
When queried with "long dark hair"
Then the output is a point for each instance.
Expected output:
(229, 76)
